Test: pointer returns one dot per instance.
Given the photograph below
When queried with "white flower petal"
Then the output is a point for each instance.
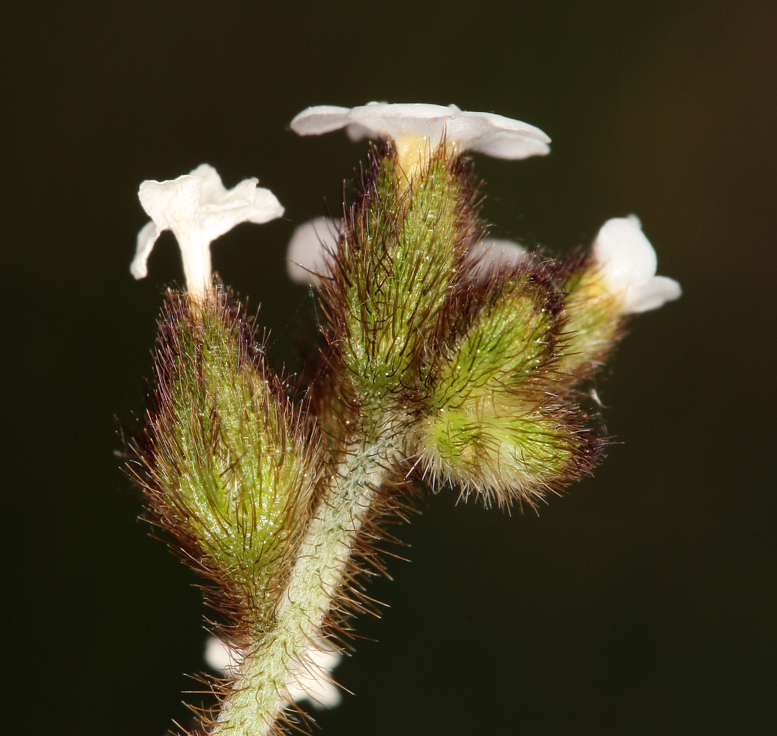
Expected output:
(511, 145)
(145, 244)
(624, 254)
(497, 136)
(492, 255)
(220, 657)
(243, 203)
(306, 253)
(627, 265)
(171, 202)
(211, 189)
(384, 120)
(266, 207)
(358, 132)
(654, 294)
(175, 205)
(244, 192)
(311, 679)
(320, 119)
(487, 133)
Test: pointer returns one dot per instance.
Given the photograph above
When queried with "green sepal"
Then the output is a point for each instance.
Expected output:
(499, 418)
(593, 322)
(506, 449)
(224, 465)
(509, 339)
(402, 247)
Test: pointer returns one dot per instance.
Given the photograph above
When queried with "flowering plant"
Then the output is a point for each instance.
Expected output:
(445, 360)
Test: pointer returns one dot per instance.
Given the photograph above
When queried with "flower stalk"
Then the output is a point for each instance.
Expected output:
(258, 698)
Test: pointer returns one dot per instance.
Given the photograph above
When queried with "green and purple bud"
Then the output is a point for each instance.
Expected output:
(225, 465)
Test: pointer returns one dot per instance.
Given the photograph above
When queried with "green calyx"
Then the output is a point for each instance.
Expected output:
(511, 337)
(501, 419)
(400, 252)
(224, 468)
(503, 448)
(593, 322)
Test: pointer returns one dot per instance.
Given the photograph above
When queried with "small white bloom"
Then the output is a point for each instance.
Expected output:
(627, 265)
(311, 679)
(306, 255)
(222, 658)
(313, 241)
(417, 127)
(198, 209)
(493, 255)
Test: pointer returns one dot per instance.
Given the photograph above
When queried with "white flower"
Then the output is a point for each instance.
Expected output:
(311, 679)
(306, 255)
(493, 255)
(198, 209)
(415, 128)
(627, 265)
(222, 658)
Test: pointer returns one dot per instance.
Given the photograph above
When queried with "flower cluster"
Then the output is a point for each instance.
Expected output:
(444, 356)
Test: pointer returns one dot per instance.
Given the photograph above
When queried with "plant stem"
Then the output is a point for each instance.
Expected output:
(258, 697)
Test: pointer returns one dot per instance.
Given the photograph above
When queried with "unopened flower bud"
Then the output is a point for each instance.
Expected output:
(499, 422)
(615, 280)
(226, 469)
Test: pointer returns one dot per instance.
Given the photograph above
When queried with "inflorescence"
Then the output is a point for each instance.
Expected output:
(445, 359)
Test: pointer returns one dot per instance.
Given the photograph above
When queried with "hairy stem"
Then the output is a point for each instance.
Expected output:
(258, 697)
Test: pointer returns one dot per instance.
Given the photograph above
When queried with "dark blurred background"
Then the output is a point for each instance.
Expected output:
(643, 602)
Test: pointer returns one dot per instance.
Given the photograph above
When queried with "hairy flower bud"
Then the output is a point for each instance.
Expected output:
(225, 468)
(605, 287)
(400, 251)
(499, 420)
